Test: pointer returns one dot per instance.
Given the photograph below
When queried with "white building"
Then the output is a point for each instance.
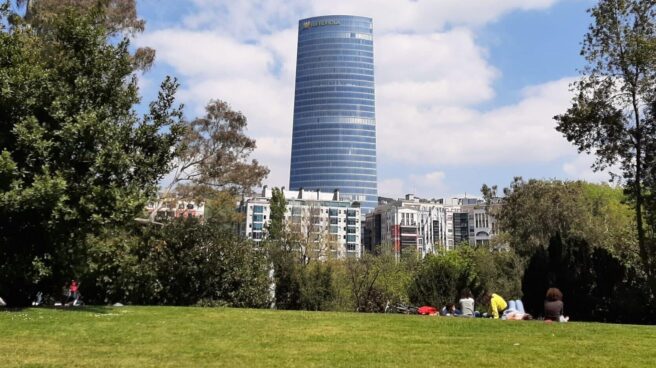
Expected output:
(425, 226)
(172, 207)
(322, 220)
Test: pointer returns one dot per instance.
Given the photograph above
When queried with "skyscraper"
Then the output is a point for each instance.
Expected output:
(334, 138)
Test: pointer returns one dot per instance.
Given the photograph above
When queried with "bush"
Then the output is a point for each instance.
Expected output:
(597, 286)
(182, 263)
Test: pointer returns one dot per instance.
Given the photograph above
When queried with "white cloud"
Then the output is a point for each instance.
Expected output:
(580, 167)
(249, 19)
(424, 185)
(393, 188)
(445, 136)
(435, 68)
(429, 79)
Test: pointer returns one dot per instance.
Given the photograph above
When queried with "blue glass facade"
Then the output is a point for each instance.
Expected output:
(334, 138)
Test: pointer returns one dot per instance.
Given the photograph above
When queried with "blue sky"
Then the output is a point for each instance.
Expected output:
(465, 90)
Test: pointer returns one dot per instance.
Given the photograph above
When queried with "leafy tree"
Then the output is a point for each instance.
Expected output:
(75, 156)
(212, 157)
(118, 17)
(277, 209)
(596, 285)
(534, 211)
(440, 278)
(610, 114)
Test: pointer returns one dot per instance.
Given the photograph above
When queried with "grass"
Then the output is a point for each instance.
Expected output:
(178, 336)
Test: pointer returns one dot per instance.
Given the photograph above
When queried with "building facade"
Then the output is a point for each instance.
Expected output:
(414, 225)
(324, 221)
(334, 134)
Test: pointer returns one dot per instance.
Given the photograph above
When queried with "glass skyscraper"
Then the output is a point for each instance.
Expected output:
(334, 138)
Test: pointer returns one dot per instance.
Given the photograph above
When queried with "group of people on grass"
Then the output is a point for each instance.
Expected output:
(512, 310)
(70, 293)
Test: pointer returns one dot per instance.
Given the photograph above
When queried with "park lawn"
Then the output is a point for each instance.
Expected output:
(196, 337)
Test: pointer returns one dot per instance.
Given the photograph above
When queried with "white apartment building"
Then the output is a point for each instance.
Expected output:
(426, 226)
(319, 218)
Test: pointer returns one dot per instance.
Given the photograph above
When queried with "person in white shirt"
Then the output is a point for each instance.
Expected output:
(466, 303)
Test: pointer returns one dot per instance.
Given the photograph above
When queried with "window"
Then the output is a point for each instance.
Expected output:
(258, 209)
(257, 226)
(258, 218)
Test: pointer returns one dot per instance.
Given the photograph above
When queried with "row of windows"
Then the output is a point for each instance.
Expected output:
(345, 50)
(309, 131)
(337, 183)
(338, 128)
(355, 43)
(333, 107)
(341, 83)
(335, 100)
(319, 77)
(335, 150)
(343, 165)
(334, 93)
(306, 65)
(359, 114)
(302, 144)
(344, 20)
(341, 121)
(360, 34)
(339, 59)
(326, 157)
(338, 90)
(331, 170)
(316, 71)
(356, 52)
(316, 176)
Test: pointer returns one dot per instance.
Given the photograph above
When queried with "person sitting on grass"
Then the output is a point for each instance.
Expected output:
(497, 304)
(466, 303)
(449, 310)
(554, 307)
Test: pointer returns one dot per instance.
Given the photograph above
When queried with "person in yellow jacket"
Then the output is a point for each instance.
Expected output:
(497, 304)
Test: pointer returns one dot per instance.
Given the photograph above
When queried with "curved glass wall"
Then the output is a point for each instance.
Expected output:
(334, 139)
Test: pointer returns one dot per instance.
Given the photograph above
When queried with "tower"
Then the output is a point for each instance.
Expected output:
(334, 135)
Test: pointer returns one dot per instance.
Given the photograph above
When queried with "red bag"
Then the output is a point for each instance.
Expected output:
(427, 310)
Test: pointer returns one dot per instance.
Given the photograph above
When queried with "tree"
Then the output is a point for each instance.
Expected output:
(118, 17)
(277, 209)
(75, 156)
(534, 211)
(609, 115)
(212, 156)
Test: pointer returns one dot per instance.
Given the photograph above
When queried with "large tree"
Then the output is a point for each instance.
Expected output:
(119, 18)
(75, 156)
(609, 115)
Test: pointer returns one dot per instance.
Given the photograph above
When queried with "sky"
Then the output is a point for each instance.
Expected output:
(466, 91)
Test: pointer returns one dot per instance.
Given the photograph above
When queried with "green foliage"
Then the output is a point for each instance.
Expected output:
(440, 278)
(535, 211)
(75, 156)
(611, 114)
(596, 285)
(317, 289)
(186, 262)
(278, 208)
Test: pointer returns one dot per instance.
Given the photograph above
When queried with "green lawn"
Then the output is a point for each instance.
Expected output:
(174, 337)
